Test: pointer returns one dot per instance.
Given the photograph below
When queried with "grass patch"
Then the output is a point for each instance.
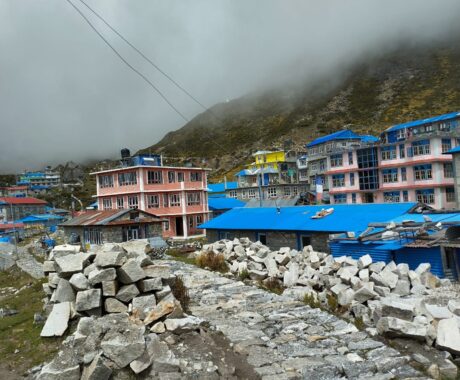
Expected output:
(18, 332)
(311, 300)
(332, 303)
(359, 323)
(180, 292)
(243, 275)
(215, 262)
(273, 285)
(180, 256)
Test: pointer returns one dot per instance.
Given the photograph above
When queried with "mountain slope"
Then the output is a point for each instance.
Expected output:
(398, 87)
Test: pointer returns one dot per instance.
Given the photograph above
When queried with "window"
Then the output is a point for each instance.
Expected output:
(133, 202)
(251, 193)
(322, 165)
(195, 176)
(166, 225)
(340, 198)
(153, 201)
(353, 197)
(390, 175)
(425, 196)
(193, 199)
(120, 203)
(450, 194)
(107, 203)
(350, 158)
(352, 179)
(388, 152)
(105, 181)
(446, 145)
(125, 179)
(338, 180)
(287, 191)
(233, 194)
(154, 176)
(405, 196)
(448, 170)
(199, 220)
(402, 151)
(422, 172)
(180, 177)
(171, 177)
(420, 148)
(174, 200)
(336, 160)
(391, 196)
(367, 158)
(403, 174)
(401, 134)
(295, 190)
(272, 192)
(190, 222)
(369, 179)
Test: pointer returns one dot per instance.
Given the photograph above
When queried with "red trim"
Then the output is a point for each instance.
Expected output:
(23, 201)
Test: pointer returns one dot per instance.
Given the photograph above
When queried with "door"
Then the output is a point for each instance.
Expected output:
(368, 198)
(262, 237)
(179, 227)
(451, 264)
(304, 241)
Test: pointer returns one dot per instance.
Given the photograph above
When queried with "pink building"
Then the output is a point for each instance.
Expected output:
(408, 164)
(178, 194)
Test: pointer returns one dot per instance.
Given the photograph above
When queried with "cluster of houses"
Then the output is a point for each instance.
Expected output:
(395, 197)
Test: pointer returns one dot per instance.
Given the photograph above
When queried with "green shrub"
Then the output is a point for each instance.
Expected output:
(273, 285)
(311, 300)
(215, 262)
(243, 275)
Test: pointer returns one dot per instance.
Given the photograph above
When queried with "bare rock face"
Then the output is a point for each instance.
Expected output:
(448, 335)
(88, 300)
(106, 259)
(130, 272)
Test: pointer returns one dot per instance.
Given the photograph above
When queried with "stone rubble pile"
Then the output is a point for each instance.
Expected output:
(389, 299)
(123, 301)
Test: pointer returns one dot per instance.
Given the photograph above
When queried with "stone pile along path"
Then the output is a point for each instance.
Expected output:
(283, 338)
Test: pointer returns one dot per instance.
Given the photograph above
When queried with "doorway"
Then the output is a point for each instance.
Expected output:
(262, 237)
(304, 241)
(179, 226)
(368, 198)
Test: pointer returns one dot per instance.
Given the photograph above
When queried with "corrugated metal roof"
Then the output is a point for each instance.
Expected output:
(221, 187)
(224, 203)
(447, 116)
(22, 201)
(345, 134)
(278, 202)
(101, 217)
(346, 217)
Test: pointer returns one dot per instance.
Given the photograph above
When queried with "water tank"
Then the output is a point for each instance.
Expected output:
(125, 153)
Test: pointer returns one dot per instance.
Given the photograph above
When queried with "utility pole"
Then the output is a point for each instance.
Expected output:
(14, 229)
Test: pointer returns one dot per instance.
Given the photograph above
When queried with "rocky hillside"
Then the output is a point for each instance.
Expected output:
(394, 88)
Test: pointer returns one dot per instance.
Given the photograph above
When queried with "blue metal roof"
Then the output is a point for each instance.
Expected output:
(346, 217)
(220, 187)
(40, 218)
(224, 203)
(447, 116)
(345, 134)
(453, 150)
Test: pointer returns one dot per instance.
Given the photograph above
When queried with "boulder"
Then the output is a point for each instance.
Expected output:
(429, 280)
(364, 261)
(282, 259)
(364, 294)
(127, 292)
(143, 305)
(131, 272)
(106, 259)
(79, 281)
(376, 267)
(423, 268)
(99, 275)
(150, 284)
(124, 347)
(402, 287)
(291, 276)
(438, 312)
(448, 335)
(64, 292)
(183, 324)
(345, 297)
(97, 370)
(158, 328)
(454, 307)
(48, 266)
(57, 321)
(389, 278)
(139, 246)
(394, 327)
(109, 288)
(88, 299)
(397, 308)
(257, 275)
(161, 271)
(163, 308)
(145, 360)
(339, 287)
(271, 266)
(163, 293)
(112, 305)
(70, 264)
(364, 274)
(347, 273)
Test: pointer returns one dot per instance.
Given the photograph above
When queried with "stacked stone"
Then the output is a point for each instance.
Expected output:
(120, 296)
(390, 299)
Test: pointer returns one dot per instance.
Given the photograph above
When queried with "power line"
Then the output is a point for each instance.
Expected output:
(126, 62)
(144, 56)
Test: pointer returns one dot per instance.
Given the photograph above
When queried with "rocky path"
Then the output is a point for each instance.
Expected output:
(283, 338)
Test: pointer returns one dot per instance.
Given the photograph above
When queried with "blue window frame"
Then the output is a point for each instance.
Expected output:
(421, 147)
(391, 196)
(388, 152)
(390, 175)
(340, 198)
(336, 160)
(422, 172)
(425, 196)
(338, 180)
(402, 151)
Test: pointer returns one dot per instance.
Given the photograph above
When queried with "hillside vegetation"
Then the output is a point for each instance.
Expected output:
(395, 88)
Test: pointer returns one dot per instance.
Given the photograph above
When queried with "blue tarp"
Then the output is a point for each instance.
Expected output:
(447, 116)
(41, 218)
(224, 203)
(454, 150)
(346, 217)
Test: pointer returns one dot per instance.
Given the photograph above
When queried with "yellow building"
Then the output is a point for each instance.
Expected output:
(267, 159)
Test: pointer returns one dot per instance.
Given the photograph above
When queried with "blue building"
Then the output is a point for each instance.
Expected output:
(298, 226)
(217, 206)
(218, 190)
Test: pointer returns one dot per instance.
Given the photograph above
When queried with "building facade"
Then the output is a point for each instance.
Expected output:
(15, 208)
(176, 194)
(408, 164)
(45, 179)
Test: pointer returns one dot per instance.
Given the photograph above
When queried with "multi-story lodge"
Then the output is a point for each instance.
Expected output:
(273, 175)
(176, 194)
(45, 179)
(408, 164)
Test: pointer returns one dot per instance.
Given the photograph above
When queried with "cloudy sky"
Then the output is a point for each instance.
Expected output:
(64, 95)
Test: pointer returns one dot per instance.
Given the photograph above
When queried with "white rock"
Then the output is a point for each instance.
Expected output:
(454, 307)
(345, 297)
(79, 281)
(130, 272)
(364, 261)
(291, 276)
(394, 327)
(364, 274)
(158, 328)
(188, 323)
(423, 268)
(88, 299)
(70, 264)
(57, 321)
(448, 335)
(438, 312)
